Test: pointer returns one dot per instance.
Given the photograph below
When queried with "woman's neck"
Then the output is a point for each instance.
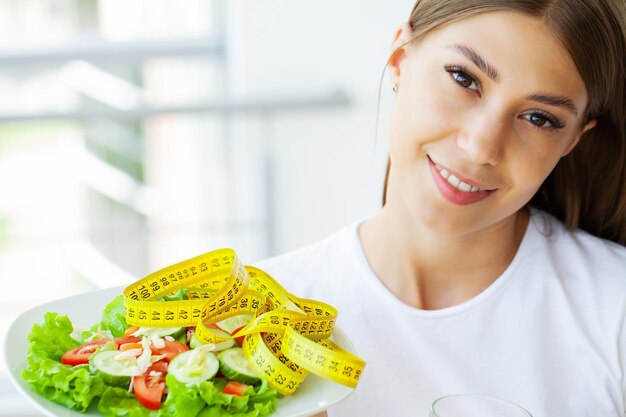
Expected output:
(431, 270)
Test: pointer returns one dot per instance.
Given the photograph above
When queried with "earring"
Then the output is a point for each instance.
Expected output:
(395, 88)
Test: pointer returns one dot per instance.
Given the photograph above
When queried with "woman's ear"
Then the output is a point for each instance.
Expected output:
(403, 34)
(589, 125)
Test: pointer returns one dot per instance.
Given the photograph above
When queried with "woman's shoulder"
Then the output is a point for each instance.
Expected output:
(579, 251)
(554, 231)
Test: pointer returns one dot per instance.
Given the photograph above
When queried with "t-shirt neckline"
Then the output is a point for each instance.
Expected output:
(525, 247)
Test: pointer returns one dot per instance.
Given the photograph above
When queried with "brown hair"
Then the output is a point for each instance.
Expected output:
(587, 188)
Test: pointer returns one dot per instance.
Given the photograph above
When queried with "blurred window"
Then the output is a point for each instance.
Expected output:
(115, 152)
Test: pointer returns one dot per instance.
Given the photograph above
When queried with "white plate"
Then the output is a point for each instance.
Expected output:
(314, 395)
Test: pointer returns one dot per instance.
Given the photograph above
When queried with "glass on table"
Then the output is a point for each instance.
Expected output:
(474, 405)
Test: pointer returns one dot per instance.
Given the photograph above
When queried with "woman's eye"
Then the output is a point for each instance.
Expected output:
(463, 78)
(543, 121)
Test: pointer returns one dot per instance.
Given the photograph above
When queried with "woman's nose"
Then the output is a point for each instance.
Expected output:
(483, 139)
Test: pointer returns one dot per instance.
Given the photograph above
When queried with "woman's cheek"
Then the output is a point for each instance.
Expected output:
(425, 114)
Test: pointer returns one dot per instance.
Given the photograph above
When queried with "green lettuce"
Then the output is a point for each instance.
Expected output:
(218, 411)
(179, 295)
(118, 402)
(182, 400)
(113, 317)
(256, 401)
(72, 386)
(52, 338)
(192, 400)
(77, 387)
(207, 399)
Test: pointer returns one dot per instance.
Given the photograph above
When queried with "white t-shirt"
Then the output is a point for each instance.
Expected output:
(548, 334)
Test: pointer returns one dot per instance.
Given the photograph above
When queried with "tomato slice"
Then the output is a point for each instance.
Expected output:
(239, 339)
(235, 388)
(171, 350)
(82, 353)
(149, 387)
(122, 340)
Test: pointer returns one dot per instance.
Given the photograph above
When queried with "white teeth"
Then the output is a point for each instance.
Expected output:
(465, 187)
(457, 183)
(454, 181)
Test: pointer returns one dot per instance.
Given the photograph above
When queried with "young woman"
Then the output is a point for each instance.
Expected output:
(496, 264)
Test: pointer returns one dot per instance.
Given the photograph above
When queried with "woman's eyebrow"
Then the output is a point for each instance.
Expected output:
(493, 73)
(559, 101)
(478, 60)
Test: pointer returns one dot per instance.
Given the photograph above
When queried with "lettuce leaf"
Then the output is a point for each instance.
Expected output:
(113, 317)
(72, 386)
(212, 393)
(207, 399)
(263, 398)
(182, 400)
(217, 411)
(118, 402)
(257, 401)
(192, 400)
(179, 295)
(52, 338)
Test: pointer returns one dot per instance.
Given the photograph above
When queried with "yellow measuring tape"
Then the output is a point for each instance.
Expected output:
(287, 339)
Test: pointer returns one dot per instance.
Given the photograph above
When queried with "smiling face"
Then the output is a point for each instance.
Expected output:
(486, 107)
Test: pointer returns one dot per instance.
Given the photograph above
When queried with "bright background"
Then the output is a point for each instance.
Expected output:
(138, 133)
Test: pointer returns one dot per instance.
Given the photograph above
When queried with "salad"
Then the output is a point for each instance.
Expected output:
(134, 371)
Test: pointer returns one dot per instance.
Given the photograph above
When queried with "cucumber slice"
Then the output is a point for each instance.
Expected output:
(152, 332)
(233, 323)
(195, 343)
(234, 366)
(113, 371)
(194, 366)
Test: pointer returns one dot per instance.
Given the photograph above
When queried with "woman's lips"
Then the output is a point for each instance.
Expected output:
(455, 190)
